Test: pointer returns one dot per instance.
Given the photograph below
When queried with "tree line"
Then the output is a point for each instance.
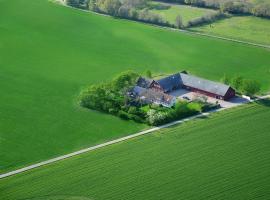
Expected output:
(129, 9)
(139, 10)
(260, 9)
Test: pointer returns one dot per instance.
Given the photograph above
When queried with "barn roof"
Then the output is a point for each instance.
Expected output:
(138, 90)
(144, 82)
(170, 82)
(204, 85)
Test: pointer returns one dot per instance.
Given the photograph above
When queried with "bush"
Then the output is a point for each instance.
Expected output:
(208, 18)
(250, 87)
(124, 81)
(156, 117)
(123, 115)
(262, 10)
(237, 82)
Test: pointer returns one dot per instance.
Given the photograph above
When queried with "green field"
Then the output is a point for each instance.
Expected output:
(225, 156)
(247, 28)
(187, 12)
(49, 52)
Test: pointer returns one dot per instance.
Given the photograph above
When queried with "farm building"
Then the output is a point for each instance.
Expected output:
(206, 87)
(185, 81)
(153, 96)
(168, 83)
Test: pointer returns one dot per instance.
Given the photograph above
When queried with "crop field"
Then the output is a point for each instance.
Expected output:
(49, 52)
(225, 156)
(247, 28)
(187, 12)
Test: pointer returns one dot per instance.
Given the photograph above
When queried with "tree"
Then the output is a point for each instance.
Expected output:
(112, 6)
(179, 22)
(250, 87)
(92, 5)
(148, 74)
(74, 3)
(125, 80)
(237, 82)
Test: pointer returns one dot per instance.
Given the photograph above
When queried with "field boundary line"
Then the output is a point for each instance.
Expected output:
(115, 141)
(170, 28)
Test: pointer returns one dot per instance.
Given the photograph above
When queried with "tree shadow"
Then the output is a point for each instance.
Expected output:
(159, 6)
(264, 102)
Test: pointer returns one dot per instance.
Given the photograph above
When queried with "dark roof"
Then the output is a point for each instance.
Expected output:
(138, 90)
(143, 82)
(170, 82)
(204, 85)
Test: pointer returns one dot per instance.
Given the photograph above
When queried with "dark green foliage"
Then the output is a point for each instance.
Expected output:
(236, 7)
(257, 8)
(123, 115)
(250, 87)
(148, 74)
(109, 97)
(243, 86)
(74, 3)
(237, 82)
(208, 18)
(124, 81)
(158, 115)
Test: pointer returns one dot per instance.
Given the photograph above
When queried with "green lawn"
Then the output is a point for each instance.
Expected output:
(49, 52)
(225, 156)
(187, 12)
(247, 28)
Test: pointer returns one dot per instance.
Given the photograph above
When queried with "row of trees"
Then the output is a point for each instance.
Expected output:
(205, 19)
(242, 85)
(261, 9)
(130, 9)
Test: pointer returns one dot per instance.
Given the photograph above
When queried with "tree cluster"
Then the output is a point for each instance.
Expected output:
(208, 18)
(261, 9)
(129, 9)
(242, 85)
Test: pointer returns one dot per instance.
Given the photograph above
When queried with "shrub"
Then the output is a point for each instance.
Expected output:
(123, 115)
(124, 80)
(250, 87)
(237, 82)
(208, 18)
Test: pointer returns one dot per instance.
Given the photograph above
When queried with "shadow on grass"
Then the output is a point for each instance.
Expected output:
(159, 6)
(264, 102)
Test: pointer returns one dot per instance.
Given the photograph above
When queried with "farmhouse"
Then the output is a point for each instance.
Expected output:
(156, 91)
(153, 96)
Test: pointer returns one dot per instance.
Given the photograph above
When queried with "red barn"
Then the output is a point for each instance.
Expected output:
(195, 84)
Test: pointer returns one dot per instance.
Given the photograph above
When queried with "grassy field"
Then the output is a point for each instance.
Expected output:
(247, 28)
(225, 156)
(187, 12)
(49, 52)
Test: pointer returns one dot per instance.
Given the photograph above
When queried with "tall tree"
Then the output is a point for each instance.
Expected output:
(179, 22)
